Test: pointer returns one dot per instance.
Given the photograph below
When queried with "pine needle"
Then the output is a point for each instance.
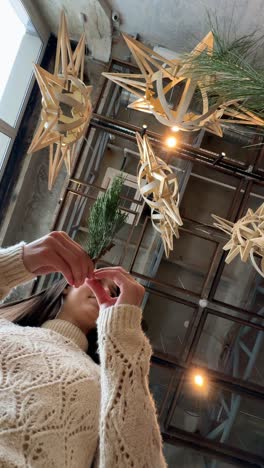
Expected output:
(105, 220)
(226, 74)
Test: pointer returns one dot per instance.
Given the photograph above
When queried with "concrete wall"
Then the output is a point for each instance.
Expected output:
(178, 24)
(95, 21)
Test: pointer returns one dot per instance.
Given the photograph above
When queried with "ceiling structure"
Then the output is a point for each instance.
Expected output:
(179, 25)
(200, 313)
(175, 24)
(90, 16)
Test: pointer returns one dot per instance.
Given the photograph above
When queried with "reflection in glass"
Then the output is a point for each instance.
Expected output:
(255, 199)
(208, 192)
(231, 348)
(178, 456)
(238, 285)
(221, 416)
(188, 264)
(166, 321)
(159, 379)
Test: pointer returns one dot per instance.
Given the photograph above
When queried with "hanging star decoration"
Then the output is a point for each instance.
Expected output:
(160, 78)
(247, 237)
(158, 186)
(66, 104)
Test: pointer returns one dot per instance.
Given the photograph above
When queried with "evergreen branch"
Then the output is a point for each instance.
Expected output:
(105, 220)
(225, 73)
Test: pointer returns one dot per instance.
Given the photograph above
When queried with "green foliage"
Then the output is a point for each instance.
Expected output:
(105, 220)
(227, 73)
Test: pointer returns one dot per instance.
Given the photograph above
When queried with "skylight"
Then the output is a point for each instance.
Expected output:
(12, 31)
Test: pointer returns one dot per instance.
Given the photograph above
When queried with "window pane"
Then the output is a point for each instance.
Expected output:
(4, 143)
(20, 45)
(220, 415)
(167, 324)
(231, 348)
(183, 457)
(188, 264)
(208, 191)
(159, 380)
(238, 284)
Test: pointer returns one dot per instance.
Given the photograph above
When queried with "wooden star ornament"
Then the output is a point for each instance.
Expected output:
(159, 78)
(246, 237)
(158, 186)
(66, 104)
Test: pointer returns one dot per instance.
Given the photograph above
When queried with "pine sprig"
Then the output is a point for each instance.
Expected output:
(226, 73)
(105, 220)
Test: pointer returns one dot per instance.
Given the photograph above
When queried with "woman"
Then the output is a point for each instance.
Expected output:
(55, 402)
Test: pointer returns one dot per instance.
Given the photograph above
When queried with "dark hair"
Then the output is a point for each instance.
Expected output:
(37, 309)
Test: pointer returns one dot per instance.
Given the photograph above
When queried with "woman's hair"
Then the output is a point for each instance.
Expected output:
(37, 309)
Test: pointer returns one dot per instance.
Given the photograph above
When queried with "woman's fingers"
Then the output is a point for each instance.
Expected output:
(114, 269)
(112, 273)
(71, 260)
(100, 293)
(57, 264)
(72, 254)
(131, 292)
(57, 252)
(85, 263)
(64, 240)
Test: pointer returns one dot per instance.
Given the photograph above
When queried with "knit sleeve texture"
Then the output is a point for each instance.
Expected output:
(129, 430)
(12, 269)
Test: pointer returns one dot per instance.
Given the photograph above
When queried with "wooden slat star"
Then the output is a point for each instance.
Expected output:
(246, 236)
(158, 186)
(66, 104)
(152, 93)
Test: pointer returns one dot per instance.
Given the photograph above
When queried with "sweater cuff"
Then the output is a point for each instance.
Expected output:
(12, 268)
(118, 318)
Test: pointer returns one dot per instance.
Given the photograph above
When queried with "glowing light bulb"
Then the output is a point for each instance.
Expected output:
(199, 380)
(171, 142)
(175, 129)
(144, 126)
(223, 154)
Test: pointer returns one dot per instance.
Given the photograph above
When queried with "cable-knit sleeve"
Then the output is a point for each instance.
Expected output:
(129, 431)
(12, 269)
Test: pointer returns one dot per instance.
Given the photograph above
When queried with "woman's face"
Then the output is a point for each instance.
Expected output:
(80, 306)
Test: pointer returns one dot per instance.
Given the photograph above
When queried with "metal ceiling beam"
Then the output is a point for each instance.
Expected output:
(213, 449)
(227, 382)
(183, 151)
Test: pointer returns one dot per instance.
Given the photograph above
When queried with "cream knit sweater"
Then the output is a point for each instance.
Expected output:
(56, 403)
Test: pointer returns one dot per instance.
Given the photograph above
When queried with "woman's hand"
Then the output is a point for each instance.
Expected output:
(58, 252)
(131, 292)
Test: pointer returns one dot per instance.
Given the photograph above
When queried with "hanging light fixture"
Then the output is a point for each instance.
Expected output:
(171, 141)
